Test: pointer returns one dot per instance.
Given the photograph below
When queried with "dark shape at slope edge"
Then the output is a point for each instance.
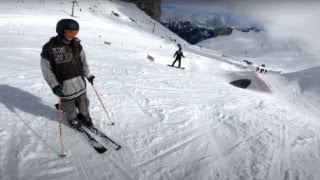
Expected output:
(241, 83)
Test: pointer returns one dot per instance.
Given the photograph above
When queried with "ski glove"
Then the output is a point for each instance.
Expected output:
(57, 90)
(90, 79)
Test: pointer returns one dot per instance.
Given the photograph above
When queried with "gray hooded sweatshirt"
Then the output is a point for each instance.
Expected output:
(65, 64)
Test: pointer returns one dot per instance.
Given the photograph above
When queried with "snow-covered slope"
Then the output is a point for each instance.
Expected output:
(285, 54)
(171, 123)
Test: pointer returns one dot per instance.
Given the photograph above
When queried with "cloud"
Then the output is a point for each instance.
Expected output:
(288, 20)
(217, 22)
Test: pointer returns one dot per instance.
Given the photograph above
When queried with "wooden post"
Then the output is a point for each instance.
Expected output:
(154, 25)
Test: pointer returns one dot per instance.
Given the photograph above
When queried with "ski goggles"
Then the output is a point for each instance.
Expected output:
(70, 32)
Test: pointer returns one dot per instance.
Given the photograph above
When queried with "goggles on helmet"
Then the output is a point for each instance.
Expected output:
(70, 32)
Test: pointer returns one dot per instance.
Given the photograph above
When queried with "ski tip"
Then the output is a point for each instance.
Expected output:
(63, 155)
(100, 149)
(118, 148)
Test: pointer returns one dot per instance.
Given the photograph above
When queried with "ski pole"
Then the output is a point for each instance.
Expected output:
(60, 123)
(112, 123)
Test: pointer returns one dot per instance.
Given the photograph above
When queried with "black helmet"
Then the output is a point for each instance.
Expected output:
(64, 24)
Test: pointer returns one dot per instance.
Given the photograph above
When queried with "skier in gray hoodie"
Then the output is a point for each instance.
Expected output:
(64, 67)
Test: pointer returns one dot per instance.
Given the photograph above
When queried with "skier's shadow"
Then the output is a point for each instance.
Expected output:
(14, 98)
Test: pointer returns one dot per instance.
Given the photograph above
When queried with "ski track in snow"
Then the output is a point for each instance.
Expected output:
(171, 123)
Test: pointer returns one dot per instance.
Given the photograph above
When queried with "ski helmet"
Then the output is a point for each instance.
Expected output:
(68, 24)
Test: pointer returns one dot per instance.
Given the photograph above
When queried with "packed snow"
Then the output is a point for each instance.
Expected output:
(171, 123)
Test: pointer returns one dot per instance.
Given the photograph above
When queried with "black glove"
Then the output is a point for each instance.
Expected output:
(57, 90)
(90, 79)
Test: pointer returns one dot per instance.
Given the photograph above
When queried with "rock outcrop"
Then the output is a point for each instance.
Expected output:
(151, 7)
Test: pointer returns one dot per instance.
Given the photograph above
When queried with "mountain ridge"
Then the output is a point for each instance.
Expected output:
(195, 33)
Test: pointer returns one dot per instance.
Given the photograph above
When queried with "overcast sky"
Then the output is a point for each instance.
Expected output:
(280, 18)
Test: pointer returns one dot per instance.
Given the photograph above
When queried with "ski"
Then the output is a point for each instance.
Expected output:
(104, 137)
(176, 66)
(96, 145)
(93, 142)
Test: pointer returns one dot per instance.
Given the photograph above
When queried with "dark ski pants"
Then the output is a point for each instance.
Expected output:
(179, 61)
(74, 106)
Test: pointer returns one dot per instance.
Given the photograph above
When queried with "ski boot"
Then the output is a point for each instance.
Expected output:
(85, 121)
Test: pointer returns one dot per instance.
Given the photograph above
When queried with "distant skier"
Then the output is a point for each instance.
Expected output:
(64, 66)
(178, 56)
